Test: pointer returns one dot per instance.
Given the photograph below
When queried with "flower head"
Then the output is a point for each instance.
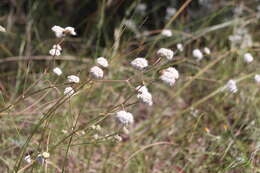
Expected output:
(231, 86)
(57, 71)
(96, 72)
(69, 91)
(166, 32)
(248, 58)
(46, 155)
(144, 95)
(169, 76)
(197, 54)
(61, 32)
(124, 117)
(73, 79)
(70, 30)
(207, 50)
(56, 50)
(139, 63)
(166, 53)
(2, 29)
(257, 78)
(180, 47)
(102, 62)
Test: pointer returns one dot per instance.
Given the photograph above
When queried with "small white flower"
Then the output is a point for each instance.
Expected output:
(61, 32)
(166, 53)
(46, 155)
(69, 91)
(257, 78)
(139, 63)
(96, 136)
(28, 158)
(124, 117)
(207, 50)
(169, 76)
(102, 62)
(180, 47)
(144, 95)
(70, 30)
(73, 78)
(166, 32)
(57, 71)
(98, 127)
(197, 54)
(248, 58)
(55, 52)
(231, 86)
(96, 72)
(2, 29)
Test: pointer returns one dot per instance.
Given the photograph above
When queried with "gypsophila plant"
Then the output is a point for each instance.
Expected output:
(136, 86)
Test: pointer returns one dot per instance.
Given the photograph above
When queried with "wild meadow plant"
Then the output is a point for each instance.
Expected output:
(176, 102)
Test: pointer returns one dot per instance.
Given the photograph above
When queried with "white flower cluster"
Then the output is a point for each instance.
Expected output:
(169, 76)
(139, 63)
(96, 72)
(124, 117)
(57, 71)
(69, 91)
(73, 79)
(166, 32)
(257, 78)
(56, 50)
(197, 54)
(248, 58)
(61, 32)
(165, 53)
(2, 29)
(102, 62)
(144, 95)
(180, 47)
(231, 86)
(206, 50)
